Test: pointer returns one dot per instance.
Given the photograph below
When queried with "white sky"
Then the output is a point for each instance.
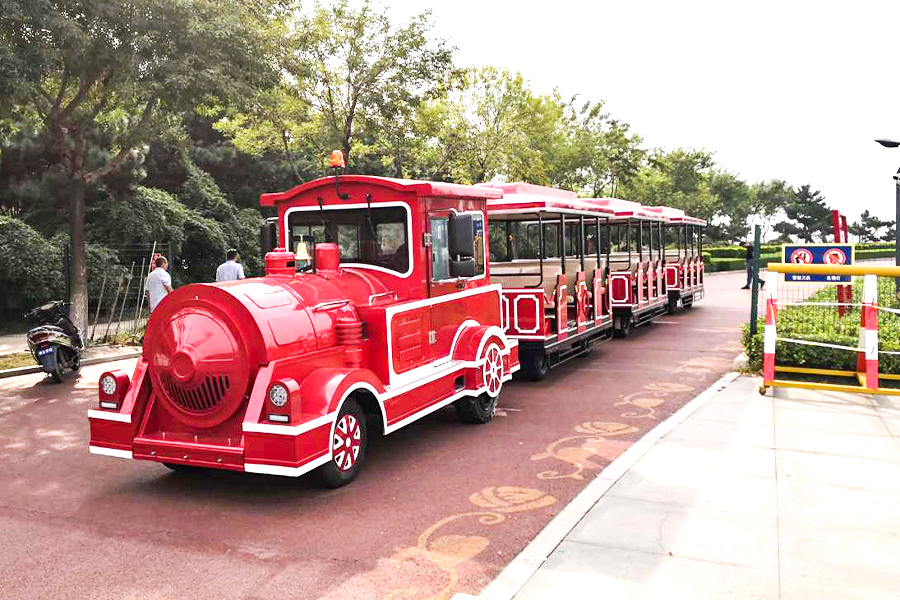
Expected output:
(794, 90)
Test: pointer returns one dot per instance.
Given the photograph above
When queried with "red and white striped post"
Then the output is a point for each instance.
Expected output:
(769, 334)
(867, 358)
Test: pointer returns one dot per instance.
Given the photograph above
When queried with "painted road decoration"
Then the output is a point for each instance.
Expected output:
(817, 254)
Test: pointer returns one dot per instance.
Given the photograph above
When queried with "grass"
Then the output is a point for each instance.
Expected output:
(15, 360)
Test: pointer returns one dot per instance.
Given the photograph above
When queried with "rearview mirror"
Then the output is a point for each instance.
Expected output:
(268, 235)
(461, 232)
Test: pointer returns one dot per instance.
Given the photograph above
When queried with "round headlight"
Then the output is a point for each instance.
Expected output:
(278, 395)
(108, 385)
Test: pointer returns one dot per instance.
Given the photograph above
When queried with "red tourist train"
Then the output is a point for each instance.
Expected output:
(385, 301)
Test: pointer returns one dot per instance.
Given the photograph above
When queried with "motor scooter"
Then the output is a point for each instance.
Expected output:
(54, 341)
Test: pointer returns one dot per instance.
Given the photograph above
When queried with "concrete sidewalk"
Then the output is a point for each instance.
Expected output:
(742, 496)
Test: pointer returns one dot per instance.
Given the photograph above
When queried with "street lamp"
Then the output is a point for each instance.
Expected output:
(892, 144)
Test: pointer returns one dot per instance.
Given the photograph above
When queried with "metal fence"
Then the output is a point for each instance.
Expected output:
(117, 309)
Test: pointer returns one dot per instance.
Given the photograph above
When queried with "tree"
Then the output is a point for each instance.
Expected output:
(121, 71)
(767, 201)
(866, 229)
(678, 178)
(809, 219)
(355, 69)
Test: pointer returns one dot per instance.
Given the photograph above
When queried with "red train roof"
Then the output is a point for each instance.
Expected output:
(675, 215)
(420, 188)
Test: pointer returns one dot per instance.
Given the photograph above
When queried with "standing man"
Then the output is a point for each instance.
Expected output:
(158, 284)
(231, 269)
(749, 259)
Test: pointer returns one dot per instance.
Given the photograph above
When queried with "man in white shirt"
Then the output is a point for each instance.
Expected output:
(158, 284)
(231, 269)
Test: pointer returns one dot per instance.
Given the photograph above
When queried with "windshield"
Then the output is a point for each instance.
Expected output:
(376, 238)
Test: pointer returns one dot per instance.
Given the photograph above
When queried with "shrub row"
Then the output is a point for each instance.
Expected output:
(740, 252)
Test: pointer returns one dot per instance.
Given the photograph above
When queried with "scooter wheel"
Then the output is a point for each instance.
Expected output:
(76, 363)
(57, 372)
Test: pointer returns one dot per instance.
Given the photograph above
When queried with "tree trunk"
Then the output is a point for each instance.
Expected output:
(346, 150)
(79, 311)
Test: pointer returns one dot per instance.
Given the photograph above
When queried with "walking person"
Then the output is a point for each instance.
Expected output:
(158, 284)
(231, 269)
(749, 260)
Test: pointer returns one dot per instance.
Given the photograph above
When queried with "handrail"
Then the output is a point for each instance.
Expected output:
(880, 270)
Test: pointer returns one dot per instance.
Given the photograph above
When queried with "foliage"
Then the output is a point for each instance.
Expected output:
(809, 219)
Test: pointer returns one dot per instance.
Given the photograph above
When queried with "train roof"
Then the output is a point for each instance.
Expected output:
(675, 215)
(420, 188)
(526, 198)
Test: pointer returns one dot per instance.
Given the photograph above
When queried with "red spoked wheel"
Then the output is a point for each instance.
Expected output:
(348, 447)
(492, 371)
(481, 409)
(346, 442)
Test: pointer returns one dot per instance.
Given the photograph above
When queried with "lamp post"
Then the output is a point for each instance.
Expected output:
(892, 144)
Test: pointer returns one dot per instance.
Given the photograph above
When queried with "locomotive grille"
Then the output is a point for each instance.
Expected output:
(200, 399)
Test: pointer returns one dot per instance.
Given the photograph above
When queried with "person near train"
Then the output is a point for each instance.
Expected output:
(158, 284)
(231, 269)
(749, 258)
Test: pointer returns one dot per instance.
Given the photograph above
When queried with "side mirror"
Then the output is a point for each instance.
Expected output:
(461, 231)
(268, 235)
(461, 242)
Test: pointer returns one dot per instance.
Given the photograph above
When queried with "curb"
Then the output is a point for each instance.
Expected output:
(84, 363)
(513, 578)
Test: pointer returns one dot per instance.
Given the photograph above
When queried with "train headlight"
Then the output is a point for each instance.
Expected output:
(284, 401)
(278, 395)
(112, 388)
(108, 385)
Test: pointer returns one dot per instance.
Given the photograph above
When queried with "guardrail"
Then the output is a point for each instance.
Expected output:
(813, 311)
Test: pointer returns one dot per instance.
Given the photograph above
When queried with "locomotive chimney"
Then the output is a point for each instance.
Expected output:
(328, 257)
(279, 262)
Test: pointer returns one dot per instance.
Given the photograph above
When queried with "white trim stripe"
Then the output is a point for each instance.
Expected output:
(110, 452)
(287, 471)
(106, 415)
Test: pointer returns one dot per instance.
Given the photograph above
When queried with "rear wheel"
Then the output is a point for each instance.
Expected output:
(687, 302)
(348, 447)
(478, 410)
(624, 327)
(57, 372)
(534, 363)
(673, 305)
(587, 346)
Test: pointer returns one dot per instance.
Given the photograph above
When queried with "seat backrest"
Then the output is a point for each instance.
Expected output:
(524, 274)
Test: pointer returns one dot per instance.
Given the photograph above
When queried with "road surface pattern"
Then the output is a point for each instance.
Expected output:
(440, 507)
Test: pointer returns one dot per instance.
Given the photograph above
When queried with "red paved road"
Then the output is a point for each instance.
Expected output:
(440, 507)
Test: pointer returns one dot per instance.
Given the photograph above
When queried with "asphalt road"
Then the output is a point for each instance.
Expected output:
(440, 507)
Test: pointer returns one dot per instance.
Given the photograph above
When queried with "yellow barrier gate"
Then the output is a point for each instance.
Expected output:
(826, 305)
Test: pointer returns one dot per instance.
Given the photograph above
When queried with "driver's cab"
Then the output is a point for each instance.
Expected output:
(412, 256)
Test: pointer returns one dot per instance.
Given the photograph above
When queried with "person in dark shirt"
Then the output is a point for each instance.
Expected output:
(749, 259)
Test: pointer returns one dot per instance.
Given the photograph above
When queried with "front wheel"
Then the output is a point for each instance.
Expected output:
(348, 447)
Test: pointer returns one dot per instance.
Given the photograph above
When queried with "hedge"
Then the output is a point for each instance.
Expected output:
(740, 251)
(820, 324)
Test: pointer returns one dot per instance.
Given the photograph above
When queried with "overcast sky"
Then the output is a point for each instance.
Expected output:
(793, 90)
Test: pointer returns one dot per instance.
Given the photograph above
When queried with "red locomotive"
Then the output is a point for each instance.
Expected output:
(377, 309)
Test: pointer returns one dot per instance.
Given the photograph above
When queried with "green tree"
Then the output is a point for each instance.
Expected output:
(768, 200)
(357, 70)
(119, 70)
(866, 229)
(809, 218)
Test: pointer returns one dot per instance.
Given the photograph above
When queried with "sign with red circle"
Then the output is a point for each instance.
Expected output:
(802, 256)
(817, 254)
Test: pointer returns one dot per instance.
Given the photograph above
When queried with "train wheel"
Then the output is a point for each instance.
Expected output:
(587, 346)
(348, 447)
(673, 305)
(623, 328)
(478, 410)
(535, 364)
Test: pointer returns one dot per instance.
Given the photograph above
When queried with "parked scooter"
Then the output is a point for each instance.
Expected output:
(54, 341)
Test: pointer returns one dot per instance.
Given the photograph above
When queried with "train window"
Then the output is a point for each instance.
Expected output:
(478, 226)
(348, 240)
(377, 237)
(497, 234)
(440, 255)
